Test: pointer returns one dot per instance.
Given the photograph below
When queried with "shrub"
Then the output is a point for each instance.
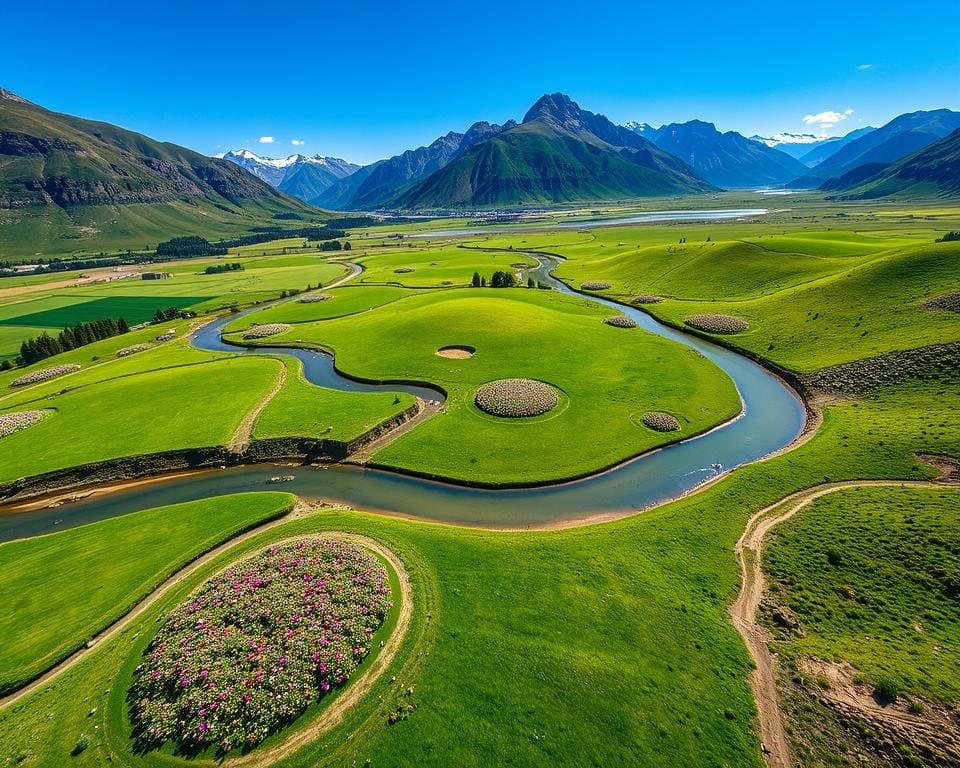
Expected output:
(132, 350)
(13, 422)
(661, 422)
(253, 647)
(516, 398)
(646, 298)
(712, 323)
(43, 374)
(949, 302)
(886, 689)
(404, 270)
(620, 321)
(315, 298)
(268, 329)
(595, 285)
(83, 741)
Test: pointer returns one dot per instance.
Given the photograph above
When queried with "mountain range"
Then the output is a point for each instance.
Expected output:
(64, 179)
(933, 170)
(900, 137)
(302, 176)
(726, 159)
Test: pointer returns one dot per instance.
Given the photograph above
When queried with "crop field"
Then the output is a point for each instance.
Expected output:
(133, 309)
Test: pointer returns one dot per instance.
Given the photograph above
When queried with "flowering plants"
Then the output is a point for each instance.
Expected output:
(267, 329)
(253, 647)
(516, 398)
(43, 374)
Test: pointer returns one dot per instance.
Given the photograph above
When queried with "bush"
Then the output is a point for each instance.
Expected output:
(315, 298)
(253, 647)
(14, 422)
(268, 329)
(620, 321)
(712, 323)
(661, 422)
(516, 398)
(646, 298)
(43, 375)
(83, 741)
(595, 285)
(886, 689)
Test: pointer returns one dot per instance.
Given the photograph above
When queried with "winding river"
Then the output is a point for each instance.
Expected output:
(772, 418)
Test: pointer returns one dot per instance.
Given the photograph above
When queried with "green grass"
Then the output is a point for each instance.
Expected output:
(435, 266)
(133, 309)
(609, 378)
(872, 574)
(190, 407)
(59, 590)
(347, 301)
(304, 410)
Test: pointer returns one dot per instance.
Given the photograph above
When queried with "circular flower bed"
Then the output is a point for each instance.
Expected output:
(516, 398)
(254, 646)
(13, 422)
(269, 329)
(43, 375)
(315, 298)
(717, 323)
(620, 321)
(403, 270)
(132, 350)
(661, 422)
(646, 298)
(595, 285)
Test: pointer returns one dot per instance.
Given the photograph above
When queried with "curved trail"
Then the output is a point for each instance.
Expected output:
(333, 713)
(244, 431)
(743, 611)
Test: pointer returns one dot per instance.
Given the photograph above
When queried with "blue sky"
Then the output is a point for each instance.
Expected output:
(364, 80)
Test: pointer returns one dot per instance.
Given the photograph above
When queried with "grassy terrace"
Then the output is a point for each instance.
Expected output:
(609, 377)
(63, 588)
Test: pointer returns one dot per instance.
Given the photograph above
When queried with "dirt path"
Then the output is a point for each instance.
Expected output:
(118, 626)
(427, 408)
(749, 549)
(241, 437)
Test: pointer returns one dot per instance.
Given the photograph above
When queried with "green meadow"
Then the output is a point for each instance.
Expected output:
(63, 588)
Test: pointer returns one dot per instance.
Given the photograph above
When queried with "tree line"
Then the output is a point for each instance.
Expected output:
(79, 335)
(503, 279)
(217, 269)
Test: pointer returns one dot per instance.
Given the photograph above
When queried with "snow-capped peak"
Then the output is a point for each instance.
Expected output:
(789, 138)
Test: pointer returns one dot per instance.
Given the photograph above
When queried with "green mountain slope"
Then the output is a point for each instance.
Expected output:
(71, 184)
(932, 172)
(559, 153)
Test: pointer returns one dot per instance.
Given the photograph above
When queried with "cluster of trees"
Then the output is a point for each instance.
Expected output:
(217, 269)
(950, 237)
(349, 222)
(500, 279)
(79, 335)
(265, 234)
(171, 313)
(334, 245)
(189, 247)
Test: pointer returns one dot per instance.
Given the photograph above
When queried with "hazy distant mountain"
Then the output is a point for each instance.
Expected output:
(298, 175)
(560, 153)
(900, 137)
(933, 171)
(727, 159)
(375, 185)
(829, 147)
(64, 168)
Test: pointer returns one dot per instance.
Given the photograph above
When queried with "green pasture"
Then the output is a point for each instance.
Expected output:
(609, 377)
(59, 590)
(436, 266)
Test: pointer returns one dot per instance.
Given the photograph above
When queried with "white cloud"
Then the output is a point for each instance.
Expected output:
(864, 67)
(297, 142)
(828, 118)
(266, 139)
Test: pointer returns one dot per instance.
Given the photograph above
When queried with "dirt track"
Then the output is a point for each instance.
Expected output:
(763, 680)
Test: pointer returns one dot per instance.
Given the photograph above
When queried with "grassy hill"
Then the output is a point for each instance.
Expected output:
(559, 153)
(69, 184)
